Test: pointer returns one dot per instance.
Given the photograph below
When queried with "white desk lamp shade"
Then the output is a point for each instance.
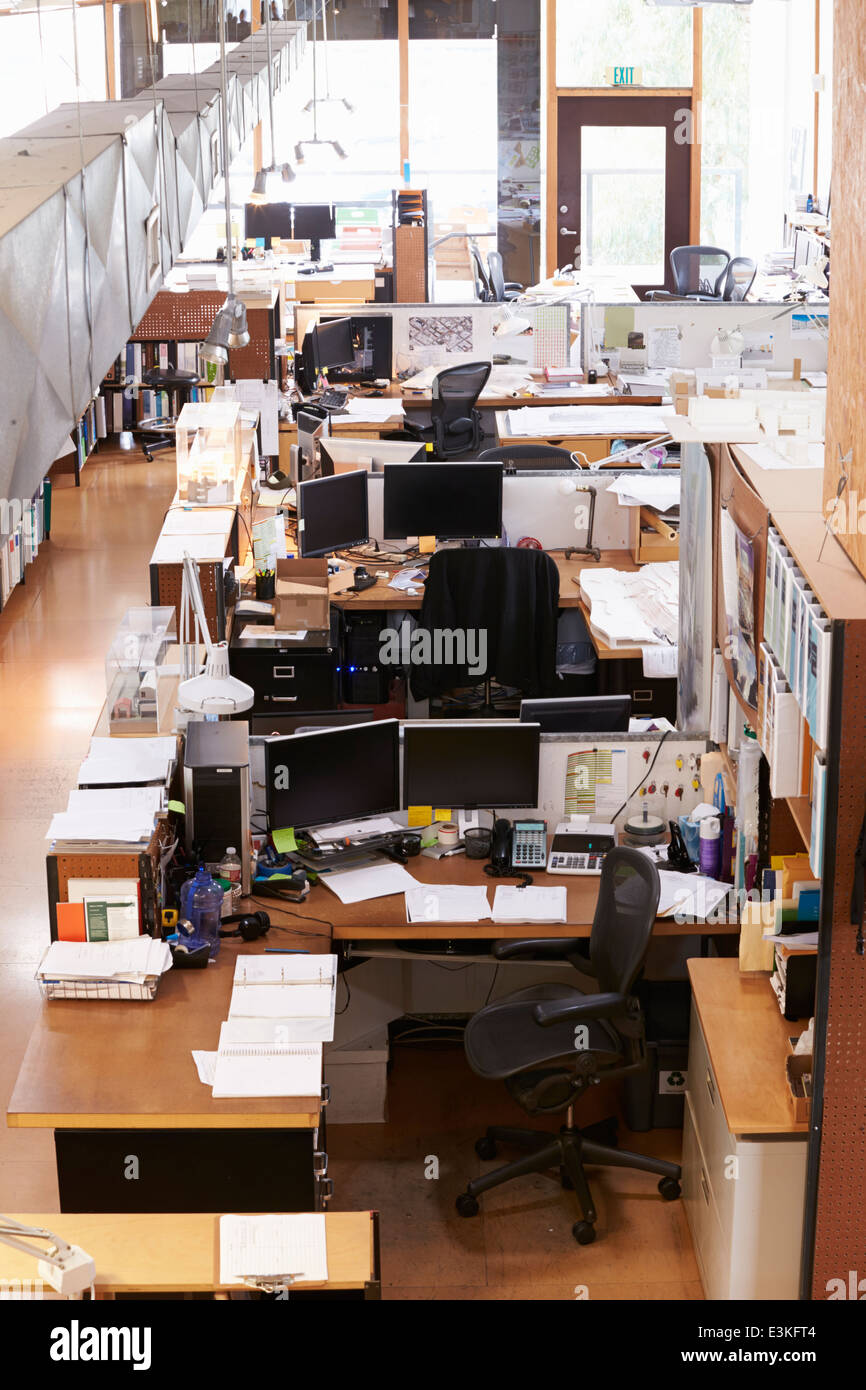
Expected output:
(216, 691)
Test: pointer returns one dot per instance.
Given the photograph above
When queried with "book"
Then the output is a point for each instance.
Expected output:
(251, 1068)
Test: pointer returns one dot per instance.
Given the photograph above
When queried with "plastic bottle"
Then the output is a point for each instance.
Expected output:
(205, 908)
(710, 846)
(230, 868)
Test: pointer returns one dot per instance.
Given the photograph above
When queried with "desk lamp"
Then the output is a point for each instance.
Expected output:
(216, 691)
(622, 454)
(67, 1268)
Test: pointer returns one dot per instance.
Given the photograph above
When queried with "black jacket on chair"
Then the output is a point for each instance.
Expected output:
(512, 596)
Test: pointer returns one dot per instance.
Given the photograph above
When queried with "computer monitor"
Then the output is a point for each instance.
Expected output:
(453, 501)
(332, 344)
(593, 714)
(336, 455)
(373, 344)
(332, 513)
(314, 222)
(333, 775)
(267, 220)
(468, 764)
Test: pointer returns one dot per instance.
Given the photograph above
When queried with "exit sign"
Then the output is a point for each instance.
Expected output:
(623, 77)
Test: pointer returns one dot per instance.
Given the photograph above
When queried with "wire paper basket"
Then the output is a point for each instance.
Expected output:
(99, 989)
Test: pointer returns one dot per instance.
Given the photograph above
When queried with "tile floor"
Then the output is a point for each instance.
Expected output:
(53, 636)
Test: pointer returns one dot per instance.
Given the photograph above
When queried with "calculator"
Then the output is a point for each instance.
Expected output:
(529, 844)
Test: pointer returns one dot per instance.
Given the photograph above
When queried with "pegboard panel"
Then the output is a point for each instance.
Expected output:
(144, 866)
(188, 318)
(170, 588)
(410, 265)
(840, 1230)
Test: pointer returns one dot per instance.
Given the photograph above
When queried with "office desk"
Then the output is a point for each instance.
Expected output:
(178, 1253)
(592, 446)
(385, 918)
(115, 1079)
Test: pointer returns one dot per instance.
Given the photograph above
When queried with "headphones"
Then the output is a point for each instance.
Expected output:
(250, 925)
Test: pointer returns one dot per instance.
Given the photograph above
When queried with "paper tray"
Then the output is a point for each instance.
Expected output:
(99, 989)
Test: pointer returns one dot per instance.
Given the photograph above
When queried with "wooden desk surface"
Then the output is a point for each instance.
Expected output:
(747, 1040)
(113, 1065)
(179, 1253)
(385, 918)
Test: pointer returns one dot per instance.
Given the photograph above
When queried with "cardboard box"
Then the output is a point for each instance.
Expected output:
(302, 599)
(797, 1066)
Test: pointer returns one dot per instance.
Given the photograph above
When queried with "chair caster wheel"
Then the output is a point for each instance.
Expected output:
(467, 1205)
(670, 1189)
(486, 1148)
(583, 1232)
(149, 458)
(565, 1181)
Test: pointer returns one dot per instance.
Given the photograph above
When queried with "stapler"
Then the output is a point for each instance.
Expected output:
(678, 855)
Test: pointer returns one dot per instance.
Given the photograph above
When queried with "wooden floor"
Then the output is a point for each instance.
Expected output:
(53, 637)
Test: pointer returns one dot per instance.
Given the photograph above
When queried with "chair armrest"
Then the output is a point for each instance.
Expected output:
(547, 947)
(593, 1006)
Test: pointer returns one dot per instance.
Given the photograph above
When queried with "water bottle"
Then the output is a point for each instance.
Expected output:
(231, 868)
(206, 900)
(710, 846)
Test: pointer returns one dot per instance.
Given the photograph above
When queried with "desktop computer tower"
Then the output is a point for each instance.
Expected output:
(216, 784)
(364, 679)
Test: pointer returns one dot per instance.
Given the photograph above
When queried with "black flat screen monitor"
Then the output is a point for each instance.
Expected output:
(314, 221)
(593, 714)
(264, 221)
(453, 501)
(335, 775)
(332, 513)
(332, 344)
(373, 345)
(463, 764)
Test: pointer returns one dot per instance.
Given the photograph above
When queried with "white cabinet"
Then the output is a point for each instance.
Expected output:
(743, 1195)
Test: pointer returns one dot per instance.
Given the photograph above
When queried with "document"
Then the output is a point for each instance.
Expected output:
(280, 1247)
(447, 902)
(536, 420)
(660, 661)
(205, 1065)
(532, 904)
(266, 1068)
(95, 827)
(105, 960)
(374, 881)
(659, 490)
(123, 799)
(664, 346)
(691, 897)
(373, 408)
(288, 990)
(356, 829)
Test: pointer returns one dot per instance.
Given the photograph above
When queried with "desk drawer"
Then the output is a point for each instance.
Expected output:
(144, 1170)
(288, 680)
(712, 1249)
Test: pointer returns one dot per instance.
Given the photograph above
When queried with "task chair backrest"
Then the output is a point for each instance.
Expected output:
(529, 456)
(482, 279)
(628, 898)
(497, 275)
(739, 278)
(456, 389)
(699, 269)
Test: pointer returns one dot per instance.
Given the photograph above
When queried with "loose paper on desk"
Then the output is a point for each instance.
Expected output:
(536, 420)
(373, 408)
(105, 960)
(447, 902)
(101, 827)
(269, 1246)
(375, 881)
(139, 799)
(352, 829)
(637, 489)
(205, 1065)
(262, 396)
(265, 1068)
(532, 904)
(660, 661)
(690, 897)
(664, 346)
(203, 521)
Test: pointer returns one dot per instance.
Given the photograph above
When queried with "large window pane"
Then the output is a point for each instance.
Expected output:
(593, 36)
(37, 63)
(622, 208)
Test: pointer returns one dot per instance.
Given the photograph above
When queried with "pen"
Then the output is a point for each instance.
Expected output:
(284, 951)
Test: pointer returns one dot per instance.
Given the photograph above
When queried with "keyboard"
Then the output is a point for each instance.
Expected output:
(333, 399)
(561, 862)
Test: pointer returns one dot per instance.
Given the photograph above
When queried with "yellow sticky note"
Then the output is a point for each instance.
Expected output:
(284, 841)
(441, 815)
(420, 815)
(177, 806)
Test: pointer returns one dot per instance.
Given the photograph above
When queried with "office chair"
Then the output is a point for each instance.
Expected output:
(699, 273)
(739, 278)
(455, 424)
(509, 594)
(549, 1042)
(501, 289)
(483, 291)
(157, 432)
(525, 456)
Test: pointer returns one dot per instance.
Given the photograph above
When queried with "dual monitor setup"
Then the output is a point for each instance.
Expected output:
(313, 222)
(358, 348)
(452, 501)
(462, 764)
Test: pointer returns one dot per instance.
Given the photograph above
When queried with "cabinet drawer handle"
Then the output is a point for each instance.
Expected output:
(284, 673)
(320, 1163)
(711, 1089)
(283, 699)
(326, 1189)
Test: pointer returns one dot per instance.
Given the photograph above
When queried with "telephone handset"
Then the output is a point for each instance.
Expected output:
(500, 853)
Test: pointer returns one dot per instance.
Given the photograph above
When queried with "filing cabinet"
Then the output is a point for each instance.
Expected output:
(287, 675)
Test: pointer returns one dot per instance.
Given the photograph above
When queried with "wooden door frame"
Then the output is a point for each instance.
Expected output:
(694, 94)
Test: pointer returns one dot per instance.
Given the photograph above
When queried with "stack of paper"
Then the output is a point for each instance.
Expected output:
(638, 489)
(640, 608)
(447, 902)
(273, 1249)
(689, 897)
(129, 962)
(119, 762)
(536, 421)
(373, 881)
(373, 408)
(298, 993)
(513, 904)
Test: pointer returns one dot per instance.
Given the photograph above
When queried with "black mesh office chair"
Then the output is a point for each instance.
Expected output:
(455, 424)
(739, 278)
(158, 431)
(549, 1042)
(483, 291)
(699, 273)
(529, 456)
(501, 288)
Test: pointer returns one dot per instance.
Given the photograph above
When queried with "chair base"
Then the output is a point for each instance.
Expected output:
(568, 1152)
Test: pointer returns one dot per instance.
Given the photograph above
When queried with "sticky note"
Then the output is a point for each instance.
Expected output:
(177, 806)
(441, 815)
(284, 841)
(420, 815)
(618, 323)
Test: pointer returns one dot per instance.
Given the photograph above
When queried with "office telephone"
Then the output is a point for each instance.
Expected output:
(521, 846)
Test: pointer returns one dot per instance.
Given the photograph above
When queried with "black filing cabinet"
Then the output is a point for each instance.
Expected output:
(287, 674)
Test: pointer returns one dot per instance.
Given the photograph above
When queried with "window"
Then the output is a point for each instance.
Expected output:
(37, 63)
(592, 37)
